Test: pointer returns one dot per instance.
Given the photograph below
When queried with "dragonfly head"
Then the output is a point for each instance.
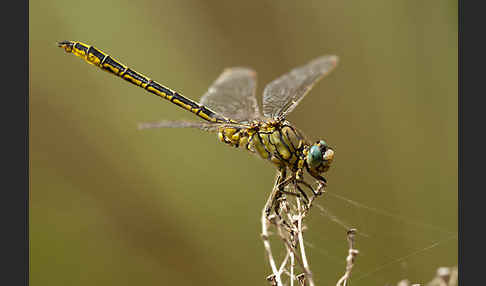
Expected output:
(319, 157)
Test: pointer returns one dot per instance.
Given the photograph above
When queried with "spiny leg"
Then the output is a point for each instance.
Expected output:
(302, 193)
(322, 183)
(283, 184)
(275, 191)
(319, 188)
(281, 190)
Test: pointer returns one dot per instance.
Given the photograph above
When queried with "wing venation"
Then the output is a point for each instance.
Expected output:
(233, 94)
(283, 94)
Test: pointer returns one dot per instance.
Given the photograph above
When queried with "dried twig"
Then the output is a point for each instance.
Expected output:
(286, 217)
(445, 276)
(274, 279)
(285, 211)
(300, 231)
(352, 253)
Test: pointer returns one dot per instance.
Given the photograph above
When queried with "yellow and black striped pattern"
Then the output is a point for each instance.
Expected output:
(107, 63)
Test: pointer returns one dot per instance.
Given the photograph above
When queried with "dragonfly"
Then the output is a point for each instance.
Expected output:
(230, 109)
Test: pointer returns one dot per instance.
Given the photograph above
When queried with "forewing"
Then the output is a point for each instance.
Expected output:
(179, 124)
(233, 94)
(283, 94)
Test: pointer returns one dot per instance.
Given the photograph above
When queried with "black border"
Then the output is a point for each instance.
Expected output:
(471, 143)
(15, 127)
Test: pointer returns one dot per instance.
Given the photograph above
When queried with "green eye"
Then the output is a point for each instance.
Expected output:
(314, 157)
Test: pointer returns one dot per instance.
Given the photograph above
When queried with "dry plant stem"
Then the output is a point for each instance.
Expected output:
(301, 240)
(292, 265)
(291, 233)
(302, 260)
(266, 219)
(301, 279)
(445, 276)
(271, 279)
(289, 246)
(352, 253)
(286, 209)
(284, 263)
(454, 277)
(291, 249)
(268, 249)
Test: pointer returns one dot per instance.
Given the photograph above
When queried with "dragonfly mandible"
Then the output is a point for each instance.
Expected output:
(230, 109)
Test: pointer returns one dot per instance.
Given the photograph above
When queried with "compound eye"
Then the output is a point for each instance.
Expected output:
(314, 157)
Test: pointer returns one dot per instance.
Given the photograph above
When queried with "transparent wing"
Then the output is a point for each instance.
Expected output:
(179, 124)
(283, 94)
(233, 95)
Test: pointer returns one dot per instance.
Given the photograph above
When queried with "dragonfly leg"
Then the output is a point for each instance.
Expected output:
(304, 196)
(283, 184)
(301, 194)
(275, 191)
(281, 190)
(315, 192)
(322, 183)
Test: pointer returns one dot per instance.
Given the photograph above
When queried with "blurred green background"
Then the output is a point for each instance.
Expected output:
(112, 205)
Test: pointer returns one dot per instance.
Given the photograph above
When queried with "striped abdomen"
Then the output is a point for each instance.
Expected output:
(107, 63)
(280, 144)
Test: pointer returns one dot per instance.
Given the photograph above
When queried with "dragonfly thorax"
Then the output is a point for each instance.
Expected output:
(276, 141)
